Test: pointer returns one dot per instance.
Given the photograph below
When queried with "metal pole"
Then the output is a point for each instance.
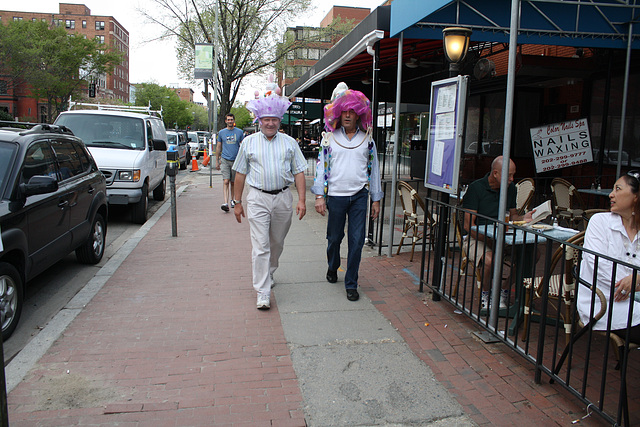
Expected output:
(374, 111)
(4, 410)
(506, 154)
(214, 134)
(625, 89)
(174, 213)
(394, 176)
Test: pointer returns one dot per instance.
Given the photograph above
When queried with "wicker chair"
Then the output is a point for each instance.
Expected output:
(525, 189)
(561, 285)
(567, 202)
(417, 221)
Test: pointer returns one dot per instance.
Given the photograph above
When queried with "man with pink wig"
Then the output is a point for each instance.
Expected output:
(269, 162)
(347, 175)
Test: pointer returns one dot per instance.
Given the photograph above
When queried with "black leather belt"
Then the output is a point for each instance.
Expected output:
(272, 191)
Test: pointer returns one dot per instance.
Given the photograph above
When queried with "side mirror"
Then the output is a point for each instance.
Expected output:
(159, 144)
(39, 184)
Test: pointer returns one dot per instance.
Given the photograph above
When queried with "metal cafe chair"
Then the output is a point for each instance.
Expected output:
(525, 189)
(418, 222)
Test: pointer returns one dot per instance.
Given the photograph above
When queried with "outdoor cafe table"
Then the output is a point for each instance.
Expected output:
(523, 244)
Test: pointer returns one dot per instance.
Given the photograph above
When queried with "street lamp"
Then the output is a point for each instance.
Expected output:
(456, 44)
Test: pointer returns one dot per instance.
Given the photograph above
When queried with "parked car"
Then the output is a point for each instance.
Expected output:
(130, 150)
(178, 142)
(186, 138)
(53, 200)
(197, 147)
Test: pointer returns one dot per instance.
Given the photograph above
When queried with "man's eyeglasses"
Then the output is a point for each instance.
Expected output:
(635, 174)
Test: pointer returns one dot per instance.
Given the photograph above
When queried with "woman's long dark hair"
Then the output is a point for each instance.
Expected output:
(632, 178)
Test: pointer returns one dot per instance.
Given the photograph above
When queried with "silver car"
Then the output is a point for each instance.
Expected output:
(177, 142)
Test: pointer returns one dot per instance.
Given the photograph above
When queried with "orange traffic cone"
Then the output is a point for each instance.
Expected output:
(194, 164)
(205, 162)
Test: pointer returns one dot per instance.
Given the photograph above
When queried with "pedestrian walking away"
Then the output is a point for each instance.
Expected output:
(228, 143)
(268, 161)
(347, 175)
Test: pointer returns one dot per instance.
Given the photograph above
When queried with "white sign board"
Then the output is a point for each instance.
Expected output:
(561, 145)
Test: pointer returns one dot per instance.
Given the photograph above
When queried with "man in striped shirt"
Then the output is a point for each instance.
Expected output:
(268, 162)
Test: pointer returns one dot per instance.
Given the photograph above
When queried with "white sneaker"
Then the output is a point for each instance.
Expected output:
(232, 204)
(504, 298)
(263, 302)
(485, 298)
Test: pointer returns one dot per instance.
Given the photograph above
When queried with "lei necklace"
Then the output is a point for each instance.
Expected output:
(327, 153)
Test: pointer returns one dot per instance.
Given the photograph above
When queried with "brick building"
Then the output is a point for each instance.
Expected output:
(76, 18)
(299, 60)
(185, 93)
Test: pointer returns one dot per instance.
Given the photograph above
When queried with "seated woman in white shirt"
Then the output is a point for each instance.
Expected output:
(615, 234)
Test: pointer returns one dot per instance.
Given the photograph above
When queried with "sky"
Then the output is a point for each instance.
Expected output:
(155, 61)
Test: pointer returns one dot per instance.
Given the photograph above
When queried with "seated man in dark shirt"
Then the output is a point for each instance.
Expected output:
(483, 196)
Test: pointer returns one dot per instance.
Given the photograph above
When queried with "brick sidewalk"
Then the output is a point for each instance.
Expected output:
(171, 339)
(494, 385)
(174, 339)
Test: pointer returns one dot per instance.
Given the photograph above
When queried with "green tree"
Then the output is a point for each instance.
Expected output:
(175, 112)
(200, 119)
(249, 41)
(5, 116)
(56, 65)
(243, 117)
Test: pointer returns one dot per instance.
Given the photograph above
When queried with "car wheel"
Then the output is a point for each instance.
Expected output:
(183, 165)
(10, 298)
(140, 208)
(161, 190)
(92, 250)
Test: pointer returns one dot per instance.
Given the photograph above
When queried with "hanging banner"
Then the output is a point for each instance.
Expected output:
(448, 105)
(203, 68)
(560, 145)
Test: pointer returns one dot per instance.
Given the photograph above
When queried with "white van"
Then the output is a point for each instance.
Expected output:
(130, 150)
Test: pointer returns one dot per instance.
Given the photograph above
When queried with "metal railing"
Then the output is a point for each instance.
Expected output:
(541, 326)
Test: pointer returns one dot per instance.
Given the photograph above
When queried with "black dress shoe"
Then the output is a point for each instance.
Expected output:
(332, 276)
(353, 295)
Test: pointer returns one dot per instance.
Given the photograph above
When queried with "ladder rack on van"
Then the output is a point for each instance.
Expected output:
(108, 107)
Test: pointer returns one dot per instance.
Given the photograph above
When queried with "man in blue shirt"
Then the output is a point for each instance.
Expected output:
(227, 147)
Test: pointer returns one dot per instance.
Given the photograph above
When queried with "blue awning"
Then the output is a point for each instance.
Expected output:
(601, 23)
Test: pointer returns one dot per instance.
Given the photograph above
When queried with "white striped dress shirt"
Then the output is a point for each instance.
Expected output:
(269, 165)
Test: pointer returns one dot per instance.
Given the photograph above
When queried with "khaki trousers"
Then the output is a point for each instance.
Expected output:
(269, 217)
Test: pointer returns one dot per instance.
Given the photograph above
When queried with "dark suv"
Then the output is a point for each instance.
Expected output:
(52, 201)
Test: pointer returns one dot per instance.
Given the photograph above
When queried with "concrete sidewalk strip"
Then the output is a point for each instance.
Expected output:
(353, 366)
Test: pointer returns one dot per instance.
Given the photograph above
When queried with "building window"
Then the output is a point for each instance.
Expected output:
(84, 24)
(70, 24)
(3, 87)
(99, 25)
(100, 39)
(33, 19)
(17, 18)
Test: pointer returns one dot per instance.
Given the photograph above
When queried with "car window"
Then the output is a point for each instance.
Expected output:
(105, 131)
(83, 155)
(159, 131)
(172, 138)
(39, 160)
(149, 134)
(7, 153)
(69, 163)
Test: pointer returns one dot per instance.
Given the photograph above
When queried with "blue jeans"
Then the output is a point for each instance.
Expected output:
(341, 207)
